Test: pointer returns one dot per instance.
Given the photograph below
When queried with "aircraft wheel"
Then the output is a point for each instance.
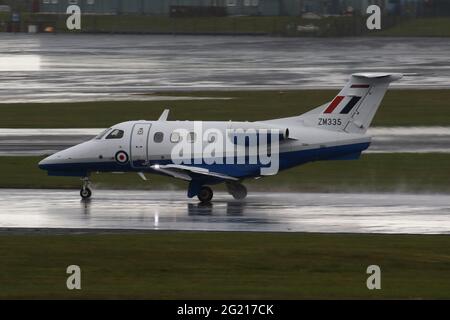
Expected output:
(205, 195)
(85, 193)
(241, 193)
(237, 190)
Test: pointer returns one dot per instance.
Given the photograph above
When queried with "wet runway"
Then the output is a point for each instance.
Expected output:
(71, 67)
(23, 142)
(169, 210)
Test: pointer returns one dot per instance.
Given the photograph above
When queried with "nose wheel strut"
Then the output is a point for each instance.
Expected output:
(85, 192)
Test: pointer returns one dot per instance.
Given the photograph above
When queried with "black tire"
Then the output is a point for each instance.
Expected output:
(85, 193)
(240, 193)
(205, 195)
(237, 190)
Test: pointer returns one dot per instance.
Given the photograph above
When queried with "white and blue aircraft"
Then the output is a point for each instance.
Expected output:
(333, 131)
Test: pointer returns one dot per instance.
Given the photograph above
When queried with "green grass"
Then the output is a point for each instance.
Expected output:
(372, 173)
(399, 108)
(275, 25)
(214, 265)
(267, 25)
(423, 27)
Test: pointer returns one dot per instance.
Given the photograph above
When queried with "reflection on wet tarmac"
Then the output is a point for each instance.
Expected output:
(119, 67)
(284, 212)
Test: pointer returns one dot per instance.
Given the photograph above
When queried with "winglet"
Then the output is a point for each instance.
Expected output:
(164, 115)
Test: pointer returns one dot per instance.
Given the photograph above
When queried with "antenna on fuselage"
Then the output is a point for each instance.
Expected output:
(164, 115)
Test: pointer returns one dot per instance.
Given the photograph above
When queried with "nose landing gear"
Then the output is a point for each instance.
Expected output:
(85, 192)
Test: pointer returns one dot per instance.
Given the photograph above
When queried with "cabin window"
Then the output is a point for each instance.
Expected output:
(115, 134)
(158, 137)
(191, 137)
(175, 137)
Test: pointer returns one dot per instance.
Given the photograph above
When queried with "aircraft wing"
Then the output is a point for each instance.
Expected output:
(184, 172)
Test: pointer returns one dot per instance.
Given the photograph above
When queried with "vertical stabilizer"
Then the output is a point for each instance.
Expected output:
(354, 108)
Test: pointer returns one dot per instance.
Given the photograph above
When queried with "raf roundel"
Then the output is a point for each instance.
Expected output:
(122, 157)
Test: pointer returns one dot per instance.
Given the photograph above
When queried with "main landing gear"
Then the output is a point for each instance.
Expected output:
(85, 192)
(205, 194)
(237, 190)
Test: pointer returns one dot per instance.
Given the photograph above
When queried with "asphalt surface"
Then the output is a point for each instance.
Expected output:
(70, 67)
(23, 142)
(125, 210)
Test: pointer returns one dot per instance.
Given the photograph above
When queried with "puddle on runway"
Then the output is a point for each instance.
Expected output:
(63, 68)
(283, 212)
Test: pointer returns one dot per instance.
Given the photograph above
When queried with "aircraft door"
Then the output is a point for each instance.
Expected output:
(139, 145)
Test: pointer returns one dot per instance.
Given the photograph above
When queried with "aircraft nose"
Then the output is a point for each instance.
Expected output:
(46, 163)
(43, 164)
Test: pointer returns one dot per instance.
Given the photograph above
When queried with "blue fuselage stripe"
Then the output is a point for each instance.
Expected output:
(286, 160)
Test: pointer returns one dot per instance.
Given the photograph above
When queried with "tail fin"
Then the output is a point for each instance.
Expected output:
(353, 109)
